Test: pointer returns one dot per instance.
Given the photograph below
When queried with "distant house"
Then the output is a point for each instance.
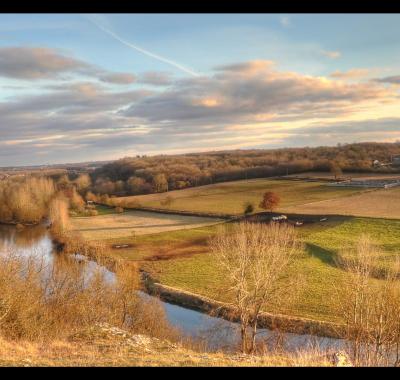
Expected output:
(89, 202)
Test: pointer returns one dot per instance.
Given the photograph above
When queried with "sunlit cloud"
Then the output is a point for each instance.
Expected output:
(351, 74)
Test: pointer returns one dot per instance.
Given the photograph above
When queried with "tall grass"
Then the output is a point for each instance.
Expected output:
(25, 200)
(44, 301)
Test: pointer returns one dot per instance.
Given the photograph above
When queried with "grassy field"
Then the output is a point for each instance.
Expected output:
(175, 248)
(383, 203)
(132, 223)
(181, 259)
(229, 197)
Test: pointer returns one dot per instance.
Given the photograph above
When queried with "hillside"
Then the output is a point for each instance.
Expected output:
(104, 345)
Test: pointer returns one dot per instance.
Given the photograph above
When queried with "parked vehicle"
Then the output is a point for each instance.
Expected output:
(279, 218)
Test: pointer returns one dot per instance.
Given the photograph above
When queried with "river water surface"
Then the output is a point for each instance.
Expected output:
(35, 242)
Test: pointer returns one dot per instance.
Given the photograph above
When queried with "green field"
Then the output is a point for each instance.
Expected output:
(181, 259)
(229, 197)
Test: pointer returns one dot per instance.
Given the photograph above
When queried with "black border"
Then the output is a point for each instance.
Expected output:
(199, 6)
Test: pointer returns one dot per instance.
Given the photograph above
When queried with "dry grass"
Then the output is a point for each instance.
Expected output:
(107, 346)
(133, 223)
(383, 203)
(42, 301)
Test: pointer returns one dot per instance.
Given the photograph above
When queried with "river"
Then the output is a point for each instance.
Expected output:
(35, 242)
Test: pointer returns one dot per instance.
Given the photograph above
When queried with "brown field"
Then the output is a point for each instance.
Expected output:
(229, 197)
(383, 203)
(133, 223)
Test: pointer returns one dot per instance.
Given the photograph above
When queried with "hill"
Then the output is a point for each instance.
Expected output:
(104, 345)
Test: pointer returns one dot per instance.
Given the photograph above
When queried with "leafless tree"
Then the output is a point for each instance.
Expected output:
(254, 259)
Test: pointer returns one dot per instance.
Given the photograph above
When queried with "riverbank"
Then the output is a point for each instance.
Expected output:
(218, 309)
(209, 306)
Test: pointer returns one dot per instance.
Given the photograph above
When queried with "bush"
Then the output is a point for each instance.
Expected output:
(25, 200)
(248, 208)
(45, 305)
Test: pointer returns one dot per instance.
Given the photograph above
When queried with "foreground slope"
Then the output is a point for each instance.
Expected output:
(104, 345)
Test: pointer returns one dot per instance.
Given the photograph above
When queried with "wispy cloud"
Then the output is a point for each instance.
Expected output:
(141, 50)
(285, 21)
(351, 74)
(331, 54)
(395, 79)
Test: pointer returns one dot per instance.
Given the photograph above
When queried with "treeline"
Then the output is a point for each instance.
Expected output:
(26, 199)
(142, 175)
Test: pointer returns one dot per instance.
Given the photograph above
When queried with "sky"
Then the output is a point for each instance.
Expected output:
(86, 87)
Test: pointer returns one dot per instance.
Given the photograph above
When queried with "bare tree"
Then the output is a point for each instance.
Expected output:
(254, 258)
(370, 307)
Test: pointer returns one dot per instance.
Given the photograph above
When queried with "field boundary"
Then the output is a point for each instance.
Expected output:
(219, 309)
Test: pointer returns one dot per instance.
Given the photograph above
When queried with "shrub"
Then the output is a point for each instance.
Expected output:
(248, 208)
(43, 305)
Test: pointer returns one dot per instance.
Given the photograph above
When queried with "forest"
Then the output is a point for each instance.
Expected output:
(143, 175)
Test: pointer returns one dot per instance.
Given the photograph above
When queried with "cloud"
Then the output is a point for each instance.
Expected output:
(351, 74)
(391, 80)
(363, 127)
(285, 21)
(331, 54)
(155, 78)
(35, 63)
(250, 91)
(246, 68)
(118, 78)
(244, 104)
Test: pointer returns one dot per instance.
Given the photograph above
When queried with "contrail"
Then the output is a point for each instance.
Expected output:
(141, 50)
